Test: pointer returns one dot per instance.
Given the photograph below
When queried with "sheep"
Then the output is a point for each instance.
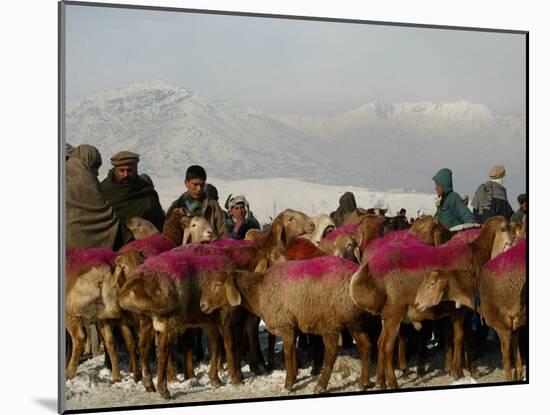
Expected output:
(311, 296)
(141, 228)
(387, 285)
(501, 289)
(94, 277)
(286, 227)
(243, 254)
(181, 228)
(323, 226)
(167, 288)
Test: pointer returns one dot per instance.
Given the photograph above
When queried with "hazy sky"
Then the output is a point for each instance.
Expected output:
(287, 66)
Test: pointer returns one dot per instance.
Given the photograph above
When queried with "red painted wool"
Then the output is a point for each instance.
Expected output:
(302, 248)
(317, 267)
(392, 239)
(151, 246)
(80, 258)
(512, 259)
(180, 265)
(201, 249)
(464, 237)
(416, 257)
(233, 243)
(345, 229)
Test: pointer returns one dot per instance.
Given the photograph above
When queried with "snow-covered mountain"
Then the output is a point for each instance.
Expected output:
(377, 145)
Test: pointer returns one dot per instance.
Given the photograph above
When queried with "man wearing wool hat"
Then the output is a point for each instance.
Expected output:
(490, 198)
(239, 218)
(131, 194)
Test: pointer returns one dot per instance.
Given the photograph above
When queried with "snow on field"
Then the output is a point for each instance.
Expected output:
(92, 386)
(268, 197)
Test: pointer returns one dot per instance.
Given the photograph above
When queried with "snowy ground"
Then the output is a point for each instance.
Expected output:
(92, 386)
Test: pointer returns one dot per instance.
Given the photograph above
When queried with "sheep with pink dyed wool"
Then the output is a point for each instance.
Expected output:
(168, 288)
(502, 295)
(311, 296)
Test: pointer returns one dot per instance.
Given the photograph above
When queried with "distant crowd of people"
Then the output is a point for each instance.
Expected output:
(97, 212)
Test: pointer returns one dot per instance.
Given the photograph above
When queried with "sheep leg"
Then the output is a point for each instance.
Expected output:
(146, 336)
(518, 372)
(131, 345)
(294, 364)
(424, 333)
(468, 347)
(505, 338)
(390, 329)
(228, 344)
(457, 320)
(401, 352)
(78, 338)
(187, 348)
(449, 351)
(289, 347)
(380, 361)
(271, 352)
(170, 369)
(257, 362)
(330, 341)
(108, 338)
(213, 345)
(163, 351)
(315, 350)
(68, 349)
(364, 345)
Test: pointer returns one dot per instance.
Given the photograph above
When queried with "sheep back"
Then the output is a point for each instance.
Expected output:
(151, 246)
(512, 259)
(78, 259)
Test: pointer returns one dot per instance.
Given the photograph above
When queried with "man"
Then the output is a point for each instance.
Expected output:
(90, 219)
(490, 198)
(129, 193)
(451, 211)
(196, 202)
(346, 204)
(239, 219)
(518, 215)
(403, 212)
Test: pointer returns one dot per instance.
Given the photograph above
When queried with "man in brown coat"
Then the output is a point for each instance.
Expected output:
(196, 203)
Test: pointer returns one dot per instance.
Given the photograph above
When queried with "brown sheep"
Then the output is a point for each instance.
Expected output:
(141, 228)
(286, 227)
(387, 285)
(94, 278)
(167, 288)
(311, 296)
(501, 289)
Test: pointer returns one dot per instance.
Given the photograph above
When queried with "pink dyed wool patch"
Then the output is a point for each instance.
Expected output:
(180, 265)
(464, 237)
(233, 243)
(512, 259)
(320, 267)
(151, 246)
(345, 229)
(416, 257)
(80, 258)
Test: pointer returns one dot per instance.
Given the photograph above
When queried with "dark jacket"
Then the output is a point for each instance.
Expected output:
(490, 200)
(451, 211)
(250, 223)
(517, 217)
(207, 208)
(346, 204)
(137, 198)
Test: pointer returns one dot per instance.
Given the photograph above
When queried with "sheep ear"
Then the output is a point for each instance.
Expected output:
(278, 230)
(233, 294)
(261, 266)
(185, 222)
(116, 275)
(358, 254)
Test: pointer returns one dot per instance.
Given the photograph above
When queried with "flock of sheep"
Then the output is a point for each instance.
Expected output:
(304, 275)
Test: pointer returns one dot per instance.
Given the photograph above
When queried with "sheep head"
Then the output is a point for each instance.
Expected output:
(431, 289)
(196, 229)
(345, 246)
(430, 231)
(141, 228)
(289, 225)
(125, 264)
(498, 232)
(219, 292)
(370, 228)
